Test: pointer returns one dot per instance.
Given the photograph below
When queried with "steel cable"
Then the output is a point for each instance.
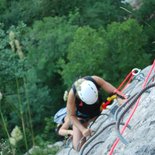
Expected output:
(98, 133)
(122, 106)
(126, 110)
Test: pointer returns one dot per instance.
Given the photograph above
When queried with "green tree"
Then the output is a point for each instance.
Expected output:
(15, 11)
(100, 13)
(2, 6)
(146, 17)
(93, 13)
(85, 55)
(125, 48)
(19, 88)
(60, 7)
(48, 42)
(110, 54)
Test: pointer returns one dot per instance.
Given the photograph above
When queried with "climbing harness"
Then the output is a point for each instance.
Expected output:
(108, 101)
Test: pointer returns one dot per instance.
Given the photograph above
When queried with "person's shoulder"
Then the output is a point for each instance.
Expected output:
(71, 91)
(71, 94)
(95, 77)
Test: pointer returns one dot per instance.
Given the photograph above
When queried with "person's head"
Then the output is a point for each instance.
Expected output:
(87, 91)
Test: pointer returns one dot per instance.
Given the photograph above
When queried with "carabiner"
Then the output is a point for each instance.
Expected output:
(135, 71)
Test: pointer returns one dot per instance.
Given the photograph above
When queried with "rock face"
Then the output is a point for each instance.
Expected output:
(140, 138)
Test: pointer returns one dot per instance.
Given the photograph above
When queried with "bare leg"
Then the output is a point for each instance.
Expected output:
(77, 136)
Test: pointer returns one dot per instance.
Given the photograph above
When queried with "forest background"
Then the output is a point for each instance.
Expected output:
(45, 45)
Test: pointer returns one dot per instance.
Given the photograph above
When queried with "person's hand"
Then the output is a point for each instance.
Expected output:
(119, 94)
(86, 132)
(121, 101)
(70, 132)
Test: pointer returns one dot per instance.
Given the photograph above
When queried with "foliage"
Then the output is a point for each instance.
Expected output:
(2, 5)
(47, 44)
(47, 47)
(117, 51)
(85, 55)
(48, 136)
(100, 13)
(146, 16)
(59, 7)
(93, 13)
(5, 147)
(16, 11)
(44, 151)
(125, 48)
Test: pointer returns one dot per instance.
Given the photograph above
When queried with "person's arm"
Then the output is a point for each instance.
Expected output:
(109, 88)
(71, 111)
(64, 129)
(104, 84)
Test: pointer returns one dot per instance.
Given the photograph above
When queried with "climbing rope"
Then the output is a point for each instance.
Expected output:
(126, 110)
(127, 102)
(122, 106)
(133, 111)
(102, 114)
(96, 135)
(125, 81)
(70, 150)
(134, 97)
(99, 142)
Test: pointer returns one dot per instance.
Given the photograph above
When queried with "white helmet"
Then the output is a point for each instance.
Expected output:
(88, 92)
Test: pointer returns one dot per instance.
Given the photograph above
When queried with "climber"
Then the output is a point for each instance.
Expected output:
(84, 104)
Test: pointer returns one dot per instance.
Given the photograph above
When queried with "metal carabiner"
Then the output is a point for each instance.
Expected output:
(135, 71)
